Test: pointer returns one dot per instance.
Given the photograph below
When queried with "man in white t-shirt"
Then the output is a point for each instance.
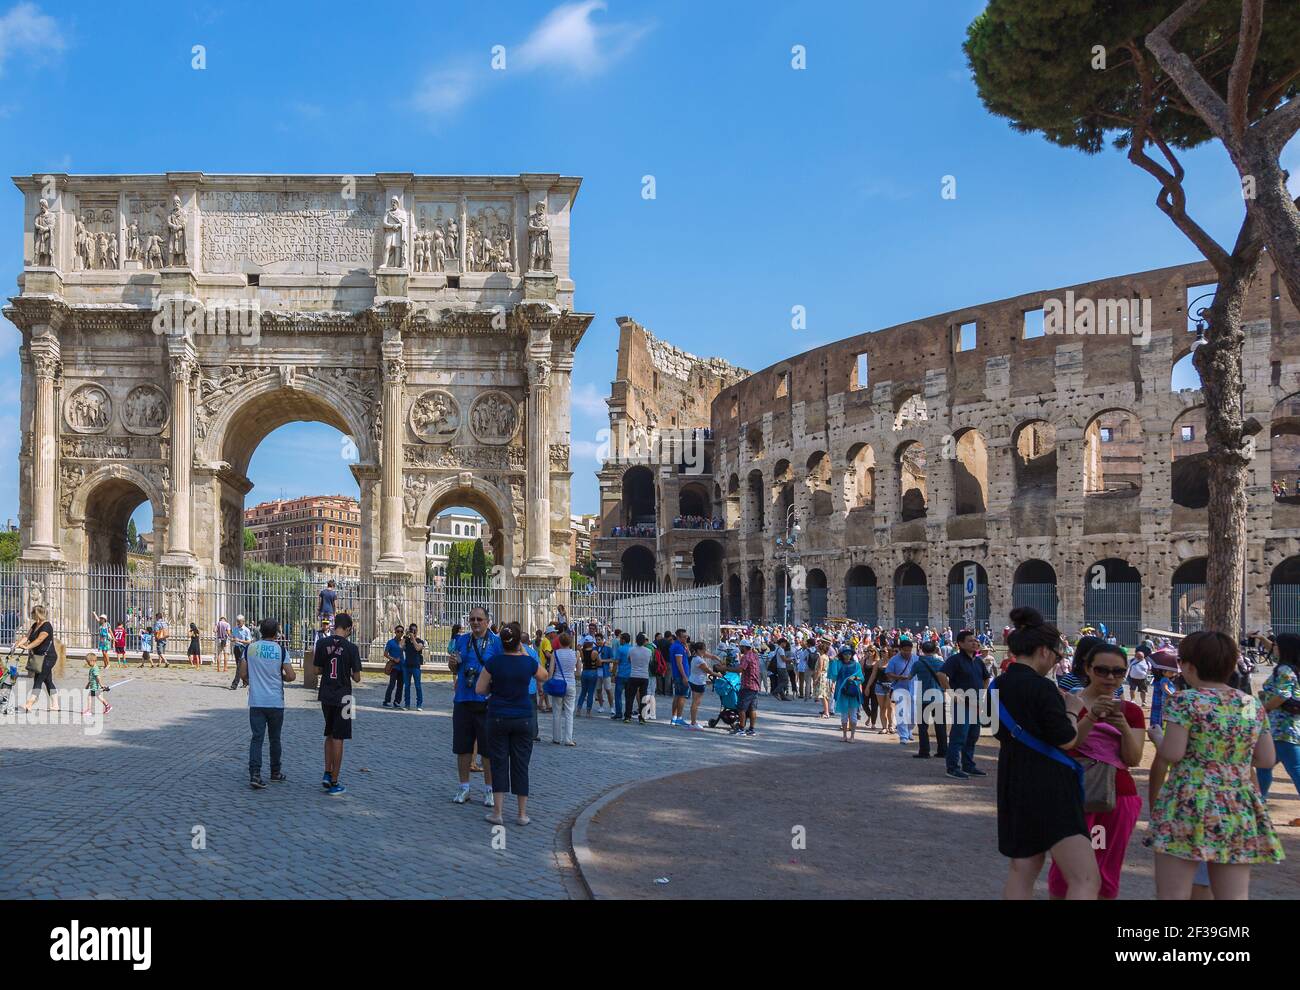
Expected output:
(1139, 672)
(265, 669)
(240, 637)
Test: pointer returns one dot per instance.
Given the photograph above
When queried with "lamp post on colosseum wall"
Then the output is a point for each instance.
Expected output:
(785, 546)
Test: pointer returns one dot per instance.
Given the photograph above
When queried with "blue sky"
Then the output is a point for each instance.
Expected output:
(775, 187)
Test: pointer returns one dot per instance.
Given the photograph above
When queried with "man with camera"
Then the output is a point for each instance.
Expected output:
(465, 656)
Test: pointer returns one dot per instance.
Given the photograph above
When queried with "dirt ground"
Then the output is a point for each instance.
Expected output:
(864, 821)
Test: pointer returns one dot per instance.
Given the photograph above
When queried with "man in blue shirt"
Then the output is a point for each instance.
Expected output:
(393, 652)
(931, 681)
(264, 669)
(900, 673)
(967, 675)
(606, 653)
(465, 656)
(622, 673)
(679, 666)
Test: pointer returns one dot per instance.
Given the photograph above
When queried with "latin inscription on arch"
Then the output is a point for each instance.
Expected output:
(295, 232)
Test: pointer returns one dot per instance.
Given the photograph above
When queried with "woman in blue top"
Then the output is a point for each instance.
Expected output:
(848, 692)
(504, 679)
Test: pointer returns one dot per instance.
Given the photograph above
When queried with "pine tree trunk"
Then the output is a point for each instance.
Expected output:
(1219, 362)
(1278, 216)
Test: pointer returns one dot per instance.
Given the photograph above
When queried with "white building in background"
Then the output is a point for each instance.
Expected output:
(449, 528)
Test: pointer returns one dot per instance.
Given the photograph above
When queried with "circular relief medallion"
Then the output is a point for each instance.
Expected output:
(493, 418)
(435, 416)
(88, 410)
(145, 410)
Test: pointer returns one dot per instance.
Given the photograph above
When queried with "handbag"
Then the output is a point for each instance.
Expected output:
(557, 687)
(34, 664)
(1098, 785)
(389, 664)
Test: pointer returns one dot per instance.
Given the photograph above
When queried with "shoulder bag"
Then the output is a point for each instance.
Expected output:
(1040, 747)
(557, 686)
(1098, 785)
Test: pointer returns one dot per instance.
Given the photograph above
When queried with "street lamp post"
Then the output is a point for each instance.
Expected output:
(786, 546)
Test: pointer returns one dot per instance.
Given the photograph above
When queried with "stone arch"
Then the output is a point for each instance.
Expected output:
(754, 441)
(912, 490)
(102, 506)
(957, 595)
(1034, 585)
(1284, 596)
(1284, 434)
(1188, 478)
(757, 500)
(817, 595)
(909, 409)
(485, 498)
(693, 500)
(782, 493)
(731, 503)
(735, 604)
(1187, 596)
(637, 566)
(860, 478)
(1113, 466)
(860, 594)
(707, 560)
(911, 597)
(757, 596)
(970, 472)
(640, 499)
(1112, 594)
(1033, 444)
(819, 483)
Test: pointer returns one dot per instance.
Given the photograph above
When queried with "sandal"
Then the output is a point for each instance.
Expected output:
(522, 820)
(493, 819)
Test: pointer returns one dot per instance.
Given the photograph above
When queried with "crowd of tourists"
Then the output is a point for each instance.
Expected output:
(638, 531)
(1072, 719)
(698, 522)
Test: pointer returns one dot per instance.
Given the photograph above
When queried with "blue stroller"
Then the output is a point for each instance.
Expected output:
(727, 688)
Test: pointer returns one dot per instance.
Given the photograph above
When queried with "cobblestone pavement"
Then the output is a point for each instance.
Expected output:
(875, 823)
(115, 814)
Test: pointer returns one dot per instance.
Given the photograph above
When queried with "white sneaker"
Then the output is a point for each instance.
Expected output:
(462, 794)
(694, 725)
(487, 800)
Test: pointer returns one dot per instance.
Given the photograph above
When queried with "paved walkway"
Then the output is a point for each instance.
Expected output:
(877, 824)
(115, 814)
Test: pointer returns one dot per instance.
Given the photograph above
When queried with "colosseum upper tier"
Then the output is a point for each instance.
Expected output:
(1051, 455)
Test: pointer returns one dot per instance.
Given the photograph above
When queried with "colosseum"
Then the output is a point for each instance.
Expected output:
(863, 478)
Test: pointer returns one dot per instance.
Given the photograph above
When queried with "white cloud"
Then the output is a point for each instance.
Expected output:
(588, 400)
(567, 42)
(24, 30)
(568, 39)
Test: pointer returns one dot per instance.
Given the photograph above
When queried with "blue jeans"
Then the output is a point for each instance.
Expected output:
(620, 688)
(588, 692)
(1288, 754)
(961, 745)
(261, 719)
(412, 675)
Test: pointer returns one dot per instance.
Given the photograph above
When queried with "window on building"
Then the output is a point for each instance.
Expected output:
(1188, 433)
(1107, 434)
(964, 336)
(1034, 325)
(783, 385)
(861, 372)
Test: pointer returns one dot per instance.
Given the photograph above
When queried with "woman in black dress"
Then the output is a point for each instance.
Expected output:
(1040, 803)
(39, 641)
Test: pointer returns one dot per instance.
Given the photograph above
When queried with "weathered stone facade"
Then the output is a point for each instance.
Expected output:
(170, 322)
(1035, 457)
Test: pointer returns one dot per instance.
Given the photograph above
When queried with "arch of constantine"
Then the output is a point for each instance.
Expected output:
(170, 322)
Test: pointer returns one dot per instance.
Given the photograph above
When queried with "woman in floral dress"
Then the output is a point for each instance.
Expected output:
(1209, 809)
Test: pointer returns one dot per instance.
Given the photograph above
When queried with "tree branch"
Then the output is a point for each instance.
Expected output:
(1280, 125)
(1243, 64)
(1208, 104)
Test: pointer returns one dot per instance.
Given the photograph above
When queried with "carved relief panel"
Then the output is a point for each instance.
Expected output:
(494, 418)
(436, 238)
(490, 237)
(435, 417)
(95, 243)
(146, 231)
(144, 412)
(88, 410)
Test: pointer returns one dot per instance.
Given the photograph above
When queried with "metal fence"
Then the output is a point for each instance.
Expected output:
(134, 597)
(860, 604)
(911, 606)
(957, 606)
(1118, 606)
(1040, 596)
(816, 605)
(1285, 599)
(1187, 608)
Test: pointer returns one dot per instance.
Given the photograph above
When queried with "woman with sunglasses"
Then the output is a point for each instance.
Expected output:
(1117, 740)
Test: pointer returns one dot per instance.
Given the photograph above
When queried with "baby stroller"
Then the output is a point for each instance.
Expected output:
(727, 688)
(7, 682)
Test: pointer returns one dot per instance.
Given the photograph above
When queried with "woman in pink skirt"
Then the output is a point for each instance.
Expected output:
(1117, 739)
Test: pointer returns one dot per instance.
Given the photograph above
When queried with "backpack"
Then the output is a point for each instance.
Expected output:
(658, 665)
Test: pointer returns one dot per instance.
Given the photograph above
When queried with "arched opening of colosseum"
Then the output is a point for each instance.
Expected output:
(1284, 434)
(757, 596)
(957, 595)
(1284, 596)
(817, 594)
(819, 483)
(1112, 463)
(637, 567)
(970, 473)
(780, 590)
(731, 509)
(911, 481)
(638, 496)
(735, 606)
(911, 597)
(693, 500)
(757, 501)
(1188, 477)
(1034, 585)
(1187, 596)
(860, 594)
(860, 478)
(1183, 376)
(1112, 594)
(783, 493)
(1034, 444)
(909, 409)
(754, 441)
(707, 566)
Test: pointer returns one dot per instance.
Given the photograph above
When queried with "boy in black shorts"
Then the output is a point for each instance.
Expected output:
(339, 663)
